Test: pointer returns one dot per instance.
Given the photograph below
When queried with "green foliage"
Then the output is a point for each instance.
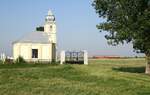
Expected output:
(53, 61)
(126, 21)
(1, 61)
(100, 77)
(20, 60)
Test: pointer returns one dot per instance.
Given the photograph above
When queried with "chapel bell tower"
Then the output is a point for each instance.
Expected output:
(50, 29)
(50, 26)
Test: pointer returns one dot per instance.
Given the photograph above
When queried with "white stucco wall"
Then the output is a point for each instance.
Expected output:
(25, 50)
(51, 31)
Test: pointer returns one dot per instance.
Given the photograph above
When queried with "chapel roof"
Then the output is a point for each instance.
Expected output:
(35, 37)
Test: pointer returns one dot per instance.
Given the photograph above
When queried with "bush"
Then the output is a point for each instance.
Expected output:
(1, 61)
(8, 61)
(20, 60)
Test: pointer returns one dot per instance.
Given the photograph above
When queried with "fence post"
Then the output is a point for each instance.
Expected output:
(85, 57)
(62, 57)
(3, 57)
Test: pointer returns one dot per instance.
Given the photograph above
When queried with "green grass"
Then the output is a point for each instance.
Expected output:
(100, 77)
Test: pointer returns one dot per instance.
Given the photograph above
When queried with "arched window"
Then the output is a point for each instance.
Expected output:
(51, 28)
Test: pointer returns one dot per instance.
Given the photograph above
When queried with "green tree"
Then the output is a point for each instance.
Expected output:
(126, 21)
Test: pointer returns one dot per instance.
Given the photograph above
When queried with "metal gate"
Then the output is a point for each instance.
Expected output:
(74, 57)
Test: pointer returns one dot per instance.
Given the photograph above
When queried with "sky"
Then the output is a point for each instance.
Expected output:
(76, 25)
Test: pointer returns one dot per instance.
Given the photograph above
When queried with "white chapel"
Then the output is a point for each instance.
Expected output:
(39, 45)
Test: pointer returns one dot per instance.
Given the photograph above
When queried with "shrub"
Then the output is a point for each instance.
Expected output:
(1, 62)
(8, 61)
(20, 60)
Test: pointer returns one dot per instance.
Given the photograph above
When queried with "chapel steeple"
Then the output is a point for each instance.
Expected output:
(50, 17)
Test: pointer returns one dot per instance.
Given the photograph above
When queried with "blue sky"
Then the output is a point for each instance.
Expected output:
(76, 25)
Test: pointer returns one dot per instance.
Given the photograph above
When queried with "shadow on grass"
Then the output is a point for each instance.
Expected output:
(130, 69)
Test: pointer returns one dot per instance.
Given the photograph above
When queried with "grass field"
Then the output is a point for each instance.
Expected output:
(100, 77)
